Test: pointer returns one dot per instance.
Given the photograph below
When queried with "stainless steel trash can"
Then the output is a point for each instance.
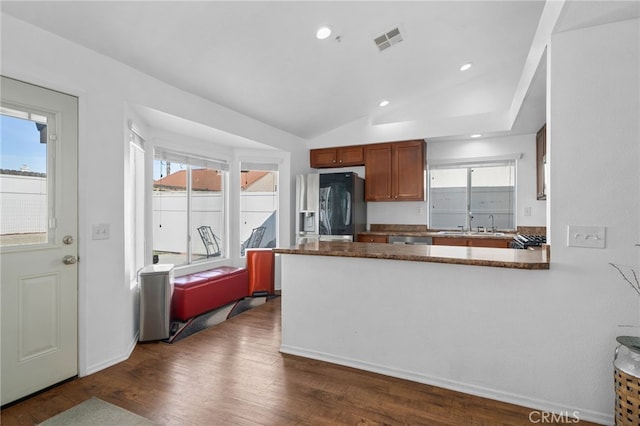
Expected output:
(156, 290)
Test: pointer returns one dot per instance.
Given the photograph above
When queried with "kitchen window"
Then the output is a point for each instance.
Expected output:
(473, 195)
(189, 215)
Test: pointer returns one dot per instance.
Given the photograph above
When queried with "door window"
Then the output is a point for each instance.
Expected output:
(24, 184)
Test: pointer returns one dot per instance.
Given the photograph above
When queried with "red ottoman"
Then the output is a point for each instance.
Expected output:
(197, 293)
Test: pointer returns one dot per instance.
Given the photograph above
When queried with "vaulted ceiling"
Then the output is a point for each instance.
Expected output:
(262, 59)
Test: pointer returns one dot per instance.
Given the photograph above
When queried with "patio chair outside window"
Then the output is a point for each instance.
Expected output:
(210, 240)
(255, 239)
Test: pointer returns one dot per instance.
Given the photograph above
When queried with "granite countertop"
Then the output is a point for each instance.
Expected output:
(478, 256)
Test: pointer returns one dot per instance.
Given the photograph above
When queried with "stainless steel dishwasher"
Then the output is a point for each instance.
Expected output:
(410, 239)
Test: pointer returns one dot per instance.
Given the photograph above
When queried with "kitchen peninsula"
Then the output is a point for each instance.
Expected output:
(478, 256)
(439, 315)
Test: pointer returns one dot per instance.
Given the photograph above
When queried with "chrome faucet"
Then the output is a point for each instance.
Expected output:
(470, 219)
(493, 225)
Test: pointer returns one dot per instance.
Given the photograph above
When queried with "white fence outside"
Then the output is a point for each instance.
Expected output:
(23, 204)
(170, 211)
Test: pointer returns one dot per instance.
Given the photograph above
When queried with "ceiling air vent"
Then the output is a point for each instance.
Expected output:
(388, 39)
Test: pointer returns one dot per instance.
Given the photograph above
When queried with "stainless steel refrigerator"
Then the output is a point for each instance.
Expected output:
(330, 206)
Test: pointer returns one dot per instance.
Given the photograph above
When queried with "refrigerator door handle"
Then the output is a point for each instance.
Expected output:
(347, 219)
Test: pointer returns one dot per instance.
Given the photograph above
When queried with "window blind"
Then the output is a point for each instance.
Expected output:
(182, 158)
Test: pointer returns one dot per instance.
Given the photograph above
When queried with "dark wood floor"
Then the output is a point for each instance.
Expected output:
(233, 374)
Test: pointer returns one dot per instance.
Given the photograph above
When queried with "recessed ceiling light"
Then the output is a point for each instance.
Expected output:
(476, 135)
(323, 32)
(384, 103)
(466, 66)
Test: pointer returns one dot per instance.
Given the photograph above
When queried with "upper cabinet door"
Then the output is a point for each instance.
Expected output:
(395, 171)
(408, 171)
(351, 155)
(377, 183)
(337, 157)
(323, 158)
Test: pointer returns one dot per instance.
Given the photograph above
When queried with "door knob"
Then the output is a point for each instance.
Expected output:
(69, 260)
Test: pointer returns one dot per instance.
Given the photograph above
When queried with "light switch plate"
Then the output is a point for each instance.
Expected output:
(586, 236)
(100, 232)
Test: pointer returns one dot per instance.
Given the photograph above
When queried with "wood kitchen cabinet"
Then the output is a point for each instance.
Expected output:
(541, 159)
(486, 242)
(472, 242)
(395, 171)
(372, 238)
(448, 241)
(337, 157)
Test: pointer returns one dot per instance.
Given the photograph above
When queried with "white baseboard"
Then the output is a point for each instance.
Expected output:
(114, 360)
(511, 398)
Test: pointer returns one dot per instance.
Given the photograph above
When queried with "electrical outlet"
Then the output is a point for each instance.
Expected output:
(586, 236)
(100, 232)
(527, 211)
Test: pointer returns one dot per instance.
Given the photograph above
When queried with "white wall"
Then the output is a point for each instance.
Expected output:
(593, 110)
(105, 88)
(506, 334)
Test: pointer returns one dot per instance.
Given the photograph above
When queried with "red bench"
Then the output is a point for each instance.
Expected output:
(200, 292)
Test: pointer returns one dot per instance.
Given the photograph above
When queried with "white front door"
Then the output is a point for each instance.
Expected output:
(38, 238)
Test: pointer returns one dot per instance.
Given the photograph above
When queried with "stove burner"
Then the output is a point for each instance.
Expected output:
(526, 241)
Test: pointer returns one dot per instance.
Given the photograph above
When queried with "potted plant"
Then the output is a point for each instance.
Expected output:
(627, 364)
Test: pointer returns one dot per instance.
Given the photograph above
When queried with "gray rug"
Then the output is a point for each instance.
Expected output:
(96, 412)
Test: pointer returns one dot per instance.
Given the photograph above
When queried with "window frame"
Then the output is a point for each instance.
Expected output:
(469, 165)
(136, 206)
(194, 162)
(51, 121)
(267, 166)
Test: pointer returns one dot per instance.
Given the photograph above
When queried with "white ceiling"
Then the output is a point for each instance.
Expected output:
(262, 58)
